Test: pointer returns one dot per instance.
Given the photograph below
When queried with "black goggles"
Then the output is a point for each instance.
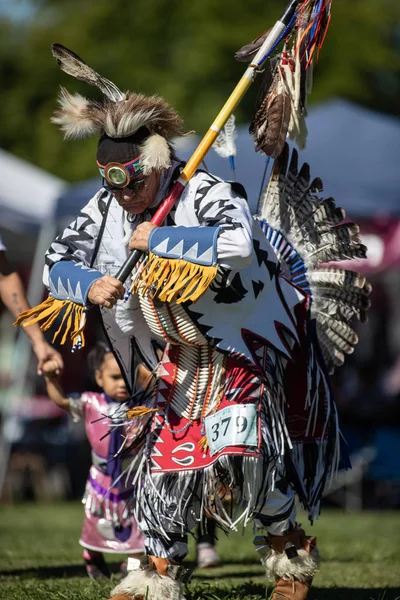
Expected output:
(135, 185)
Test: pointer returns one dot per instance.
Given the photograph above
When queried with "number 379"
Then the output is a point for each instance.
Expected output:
(222, 427)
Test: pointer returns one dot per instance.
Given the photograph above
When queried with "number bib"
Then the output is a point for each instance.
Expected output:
(234, 425)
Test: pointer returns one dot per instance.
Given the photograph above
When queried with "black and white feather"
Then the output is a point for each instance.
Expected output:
(73, 65)
(308, 232)
(225, 143)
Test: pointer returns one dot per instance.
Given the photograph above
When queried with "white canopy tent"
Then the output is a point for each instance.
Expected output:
(28, 194)
(28, 201)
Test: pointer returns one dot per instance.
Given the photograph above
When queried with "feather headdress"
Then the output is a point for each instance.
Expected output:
(118, 115)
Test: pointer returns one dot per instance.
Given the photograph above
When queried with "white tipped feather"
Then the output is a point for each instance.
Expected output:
(225, 144)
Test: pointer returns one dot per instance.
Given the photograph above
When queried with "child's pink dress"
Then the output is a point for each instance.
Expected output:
(108, 525)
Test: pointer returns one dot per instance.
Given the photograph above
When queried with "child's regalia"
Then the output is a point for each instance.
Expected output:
(108, 525)
(251, 319)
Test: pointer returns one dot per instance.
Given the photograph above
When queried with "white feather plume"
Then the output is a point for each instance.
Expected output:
(156, 153)
(75, 116)
(225, 144)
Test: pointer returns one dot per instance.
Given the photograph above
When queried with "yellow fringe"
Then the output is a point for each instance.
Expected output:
(174, 279)
(203, 443)
(139, 411)
(71, 326)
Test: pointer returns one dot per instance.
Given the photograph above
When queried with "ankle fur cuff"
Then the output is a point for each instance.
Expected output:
(301, 568)
(150, 585)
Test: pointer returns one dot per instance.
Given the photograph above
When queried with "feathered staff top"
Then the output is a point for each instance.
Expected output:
(281, 105)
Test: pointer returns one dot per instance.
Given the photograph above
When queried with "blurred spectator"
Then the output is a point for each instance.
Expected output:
(13, 295)
(41, 449)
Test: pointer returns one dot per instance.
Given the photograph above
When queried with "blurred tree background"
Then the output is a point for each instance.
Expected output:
(181, 50)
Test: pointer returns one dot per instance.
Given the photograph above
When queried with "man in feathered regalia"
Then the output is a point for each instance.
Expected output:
(248, 321)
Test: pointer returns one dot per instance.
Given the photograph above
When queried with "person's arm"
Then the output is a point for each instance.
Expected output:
(222, 207)
(224, 236)
(67, 271)
(54, 389)
(13, 296)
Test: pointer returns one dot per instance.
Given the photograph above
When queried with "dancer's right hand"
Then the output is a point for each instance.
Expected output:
(106, 291)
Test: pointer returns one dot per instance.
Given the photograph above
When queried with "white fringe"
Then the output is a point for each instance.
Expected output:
(193, 492)
(190, 500)
(301, 568)
(149, 585)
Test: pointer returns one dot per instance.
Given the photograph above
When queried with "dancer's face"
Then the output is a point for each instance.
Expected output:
(136, 201)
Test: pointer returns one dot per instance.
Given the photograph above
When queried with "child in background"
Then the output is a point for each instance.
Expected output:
(206, 554)
(107, 526)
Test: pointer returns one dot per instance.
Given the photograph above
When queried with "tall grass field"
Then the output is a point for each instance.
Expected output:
(40, 558)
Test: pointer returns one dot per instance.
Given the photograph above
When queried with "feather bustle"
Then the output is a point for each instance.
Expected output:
(339, 277)
(315, 229)
(341, 328)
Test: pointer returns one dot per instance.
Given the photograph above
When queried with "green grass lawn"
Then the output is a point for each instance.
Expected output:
(40, 558)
